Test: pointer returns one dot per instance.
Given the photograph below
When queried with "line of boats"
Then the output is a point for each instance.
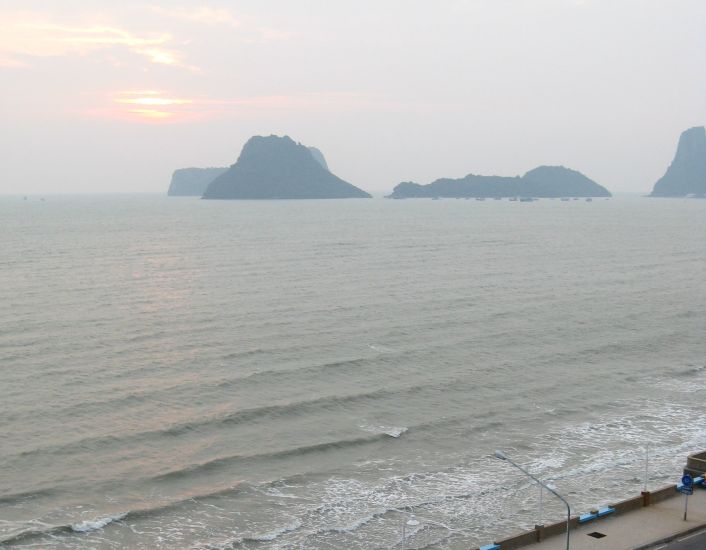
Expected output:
(520, 199)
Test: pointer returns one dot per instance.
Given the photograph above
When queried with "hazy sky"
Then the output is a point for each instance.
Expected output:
(113, 96)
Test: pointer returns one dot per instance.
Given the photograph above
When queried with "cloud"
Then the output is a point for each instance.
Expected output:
(26, 34)
(33, 34)
(159, 106)
(162, 56)
(152, 98)
(149, 106)
(268, 34)
(250, 30)
(93, 36)
(152, 114)
(10, 62)
(203, 15)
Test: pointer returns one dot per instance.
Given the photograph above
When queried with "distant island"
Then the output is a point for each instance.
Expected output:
(544, 181)
(686, 176)
(192, 182)
(318, 156)
(276, 167)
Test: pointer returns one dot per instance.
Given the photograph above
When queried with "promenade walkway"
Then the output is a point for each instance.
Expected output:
(642, 528)
(636, 529)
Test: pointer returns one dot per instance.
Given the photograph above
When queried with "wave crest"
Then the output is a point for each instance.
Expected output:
(95, 524)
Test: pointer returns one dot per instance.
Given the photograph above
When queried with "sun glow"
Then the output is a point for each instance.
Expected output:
(152, 114)
(152, 105)
(160, 56)
(154, 101)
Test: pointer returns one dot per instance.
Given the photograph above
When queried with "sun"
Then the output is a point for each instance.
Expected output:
(152, 105)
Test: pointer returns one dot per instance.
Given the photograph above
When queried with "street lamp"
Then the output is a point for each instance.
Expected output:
(502, 456)
(412, 522)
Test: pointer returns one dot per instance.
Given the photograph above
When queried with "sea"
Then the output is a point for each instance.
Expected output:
(186, 374)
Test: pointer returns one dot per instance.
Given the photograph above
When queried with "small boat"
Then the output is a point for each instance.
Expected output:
(526, 199)
(565, 199)
(589, 199)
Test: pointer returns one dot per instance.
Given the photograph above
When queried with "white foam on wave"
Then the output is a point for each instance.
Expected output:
(381, 349)
(392, 431)
(360, 514)
(546, 410)
(352, 525)
(275, 533)
(681, 385)
(95, 524)
(597, 462)
(554, 461)
(277, 493)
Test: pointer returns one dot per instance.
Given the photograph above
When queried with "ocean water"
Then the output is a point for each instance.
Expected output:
(178, 373)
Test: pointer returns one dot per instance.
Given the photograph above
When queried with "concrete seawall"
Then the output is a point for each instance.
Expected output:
(542, 532)
(696, 464)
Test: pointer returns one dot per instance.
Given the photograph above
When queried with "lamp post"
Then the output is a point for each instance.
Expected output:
(412, 522)
(647, 462)
(502, 456)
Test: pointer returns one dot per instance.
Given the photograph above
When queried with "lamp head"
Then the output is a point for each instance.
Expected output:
(501, 455)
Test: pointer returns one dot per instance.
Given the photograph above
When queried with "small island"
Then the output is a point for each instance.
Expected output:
(192, 182)
(276, 167)
(542, 182)
(686, 176)
(318, 156)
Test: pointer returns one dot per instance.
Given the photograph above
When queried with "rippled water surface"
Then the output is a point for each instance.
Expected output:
(178, 373)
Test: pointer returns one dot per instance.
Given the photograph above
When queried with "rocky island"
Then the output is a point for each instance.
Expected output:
(686, 176)
(318, 156)
(192, 182)
(276, 167)
(544, 181)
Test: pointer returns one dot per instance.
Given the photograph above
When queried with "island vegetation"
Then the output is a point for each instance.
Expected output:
(686, 175)
(275, 167)
(544, 181)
